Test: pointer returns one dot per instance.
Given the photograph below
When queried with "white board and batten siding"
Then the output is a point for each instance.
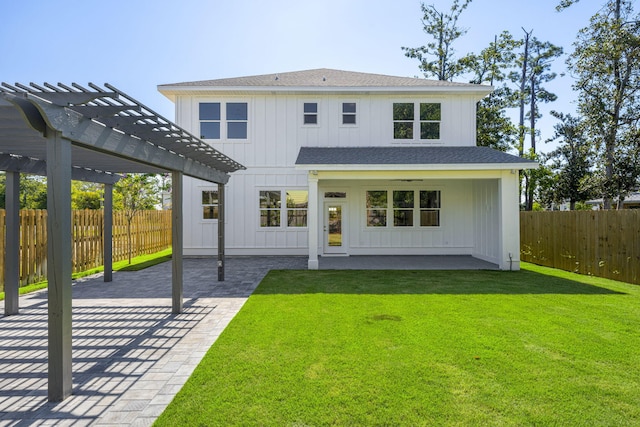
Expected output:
(275, 134)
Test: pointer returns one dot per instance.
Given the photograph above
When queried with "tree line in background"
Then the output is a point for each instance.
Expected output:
(598, 152)
(132, 193)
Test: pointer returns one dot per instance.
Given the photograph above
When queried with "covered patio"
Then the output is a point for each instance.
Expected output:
(92, 134)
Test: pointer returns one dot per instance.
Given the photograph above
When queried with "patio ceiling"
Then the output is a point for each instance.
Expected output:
(110, 132)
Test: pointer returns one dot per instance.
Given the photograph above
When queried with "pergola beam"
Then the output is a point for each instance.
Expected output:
(20, 164)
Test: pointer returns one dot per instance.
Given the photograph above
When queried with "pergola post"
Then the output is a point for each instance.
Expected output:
(221, 232)
(12, 246)
(108, 233)
(176, 241)
(59, 264)
(313, 222)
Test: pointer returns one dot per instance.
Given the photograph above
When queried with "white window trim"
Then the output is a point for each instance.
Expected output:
(356, 114)
(390, 209)
(223, 120)
(301, 113)
(416, 121)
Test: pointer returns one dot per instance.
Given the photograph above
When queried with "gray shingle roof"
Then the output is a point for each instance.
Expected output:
(322, 77)
(405, 156)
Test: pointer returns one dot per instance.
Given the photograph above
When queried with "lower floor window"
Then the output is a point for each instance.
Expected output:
(295, 208)
(408, 207)
(209, 204)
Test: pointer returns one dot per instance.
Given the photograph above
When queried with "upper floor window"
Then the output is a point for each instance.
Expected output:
(310, 113)
(209, 204)
(411, 119)
(237, 120)
(235, 115)
(348, 113)
(210, 120)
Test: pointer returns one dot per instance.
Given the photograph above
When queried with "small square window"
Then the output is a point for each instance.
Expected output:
(209, 204)
(210, 130)
(348, 113)
(310, 113)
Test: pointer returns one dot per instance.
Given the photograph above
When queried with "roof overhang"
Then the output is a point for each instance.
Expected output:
(110, 132)
(172, 91)
(404, 158)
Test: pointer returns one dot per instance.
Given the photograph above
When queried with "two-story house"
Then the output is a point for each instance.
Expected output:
(345, 163)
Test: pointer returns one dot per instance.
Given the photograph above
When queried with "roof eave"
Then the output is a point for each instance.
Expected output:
(171, 91)
(418, 167)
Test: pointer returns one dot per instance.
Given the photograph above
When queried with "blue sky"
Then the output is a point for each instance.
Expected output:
(137, 44)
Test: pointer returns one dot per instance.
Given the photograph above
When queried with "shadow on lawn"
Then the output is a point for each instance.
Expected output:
(423, 282)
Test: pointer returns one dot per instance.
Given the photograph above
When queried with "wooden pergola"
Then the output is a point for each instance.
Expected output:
(90, 134)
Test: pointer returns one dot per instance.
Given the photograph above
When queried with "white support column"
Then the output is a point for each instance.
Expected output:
(176, 238)
(12, 246)
(509, 252)
(312, 219)
(108, 233)
(59, 264)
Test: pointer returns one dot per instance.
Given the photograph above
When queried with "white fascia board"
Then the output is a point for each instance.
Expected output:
(427, 167)
(171, 91)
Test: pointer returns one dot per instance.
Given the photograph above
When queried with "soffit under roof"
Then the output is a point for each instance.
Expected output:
(110, 132)
(409, 156)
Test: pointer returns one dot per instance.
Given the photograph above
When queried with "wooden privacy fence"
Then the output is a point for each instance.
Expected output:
(599, 243)
(150, 230)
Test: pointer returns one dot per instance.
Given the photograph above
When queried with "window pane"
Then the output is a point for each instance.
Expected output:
(376, 217)
(210, 212)
(403, 130)
(310, 119)
(270, 218)
(209, 197)
(237, 130)
(403, 218)
(349, 107)
(429, 130)
(429, 199)
(270, 199)
(430, 218)
(297, 218)
(403, 111)
(335, 195)
(403, 199)
(429, 111)
(348, 119)
(376, 199)
(310, 107)
(297, 199)
(209, 111)
(210, 130)
(236, 111)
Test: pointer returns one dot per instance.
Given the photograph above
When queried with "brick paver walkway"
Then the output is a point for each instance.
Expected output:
(130, 353)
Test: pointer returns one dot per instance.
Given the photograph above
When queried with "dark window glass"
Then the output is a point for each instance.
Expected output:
(403, 111)
(335, 195)
(349, 107)
(348, 119)
(270, 208)
(429, 111)
(209, 111)
(429, 130)
(403, 130)
(429, 199)
(237, 130)
(310, 107)
(236, 111)
(210, 130)
(429, 208)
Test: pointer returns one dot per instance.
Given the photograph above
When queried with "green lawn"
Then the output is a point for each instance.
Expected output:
(315, 348)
